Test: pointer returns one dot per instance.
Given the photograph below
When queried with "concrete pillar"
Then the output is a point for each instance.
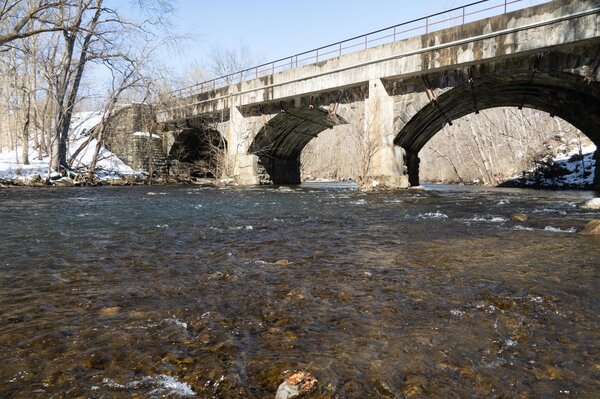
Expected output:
(412, 165)
(387, 164)
(239, 165)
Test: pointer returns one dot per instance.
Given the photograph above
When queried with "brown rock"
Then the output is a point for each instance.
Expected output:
(109, 311)
(296, 385)
(518, 217)
(282, 262)
(592, 228)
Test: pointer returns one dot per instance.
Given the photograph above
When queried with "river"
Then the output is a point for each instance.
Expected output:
(156, 292)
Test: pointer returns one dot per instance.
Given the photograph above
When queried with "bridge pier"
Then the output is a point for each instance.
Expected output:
(241, 166)
(387, 163)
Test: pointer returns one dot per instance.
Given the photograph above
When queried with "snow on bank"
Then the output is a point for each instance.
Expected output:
(575, 170)
(108, 165)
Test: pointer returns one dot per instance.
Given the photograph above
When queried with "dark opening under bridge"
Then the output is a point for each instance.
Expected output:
(402, 92)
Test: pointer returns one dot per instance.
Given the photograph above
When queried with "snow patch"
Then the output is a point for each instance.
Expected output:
(108, 165)
(146, 134)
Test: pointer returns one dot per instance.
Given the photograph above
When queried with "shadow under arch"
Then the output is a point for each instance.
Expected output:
(199, 150)
(281, 140)
(565, 95)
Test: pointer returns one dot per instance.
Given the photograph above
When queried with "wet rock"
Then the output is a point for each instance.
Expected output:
(296, 385)
(592, 228)
(594, 203)
(518, 217)
(413, 386)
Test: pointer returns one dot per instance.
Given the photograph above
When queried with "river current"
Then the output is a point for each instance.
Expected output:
(167, 292)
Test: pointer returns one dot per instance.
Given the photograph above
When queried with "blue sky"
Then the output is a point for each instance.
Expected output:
(280, 28)
(272, 29)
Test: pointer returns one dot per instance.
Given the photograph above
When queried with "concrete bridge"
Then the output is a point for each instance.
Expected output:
(400, 94)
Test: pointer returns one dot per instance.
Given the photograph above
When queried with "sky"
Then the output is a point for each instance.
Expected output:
(272, 29)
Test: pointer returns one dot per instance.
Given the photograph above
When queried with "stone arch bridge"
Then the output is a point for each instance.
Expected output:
(402, 93)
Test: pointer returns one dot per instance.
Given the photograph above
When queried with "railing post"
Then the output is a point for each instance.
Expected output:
(394, 33)
(340, 49)
(463, 10)
(365, 42)
(427, 25)
(256, 72)
(317, 56)
(505, 1)
(273, 68)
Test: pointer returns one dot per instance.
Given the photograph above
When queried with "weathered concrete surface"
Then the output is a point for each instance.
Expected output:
(545, 57)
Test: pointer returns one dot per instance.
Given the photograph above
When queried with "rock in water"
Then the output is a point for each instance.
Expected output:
(518, 217)
(296, 385)
(593, 227)
(594, 203)
(109, 311)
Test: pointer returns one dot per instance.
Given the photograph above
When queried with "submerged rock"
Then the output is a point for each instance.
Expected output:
(109, 311)
(593, 227)
(296, 385)
(518, 217)
(594, 203)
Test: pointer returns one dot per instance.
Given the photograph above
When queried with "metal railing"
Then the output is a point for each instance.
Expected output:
(441, 20)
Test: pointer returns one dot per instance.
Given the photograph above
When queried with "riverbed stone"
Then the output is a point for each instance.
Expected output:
(109, 311)
(592, 228)
(518, 217)
(594, 203)
(296, 386)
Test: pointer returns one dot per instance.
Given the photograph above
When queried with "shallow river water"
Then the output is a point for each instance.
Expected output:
(155, 292)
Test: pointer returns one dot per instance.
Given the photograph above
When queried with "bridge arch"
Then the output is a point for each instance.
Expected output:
(280, 141)
(198, 151)
(564, 93)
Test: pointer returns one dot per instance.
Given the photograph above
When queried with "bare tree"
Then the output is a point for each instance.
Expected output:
(18, 19)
